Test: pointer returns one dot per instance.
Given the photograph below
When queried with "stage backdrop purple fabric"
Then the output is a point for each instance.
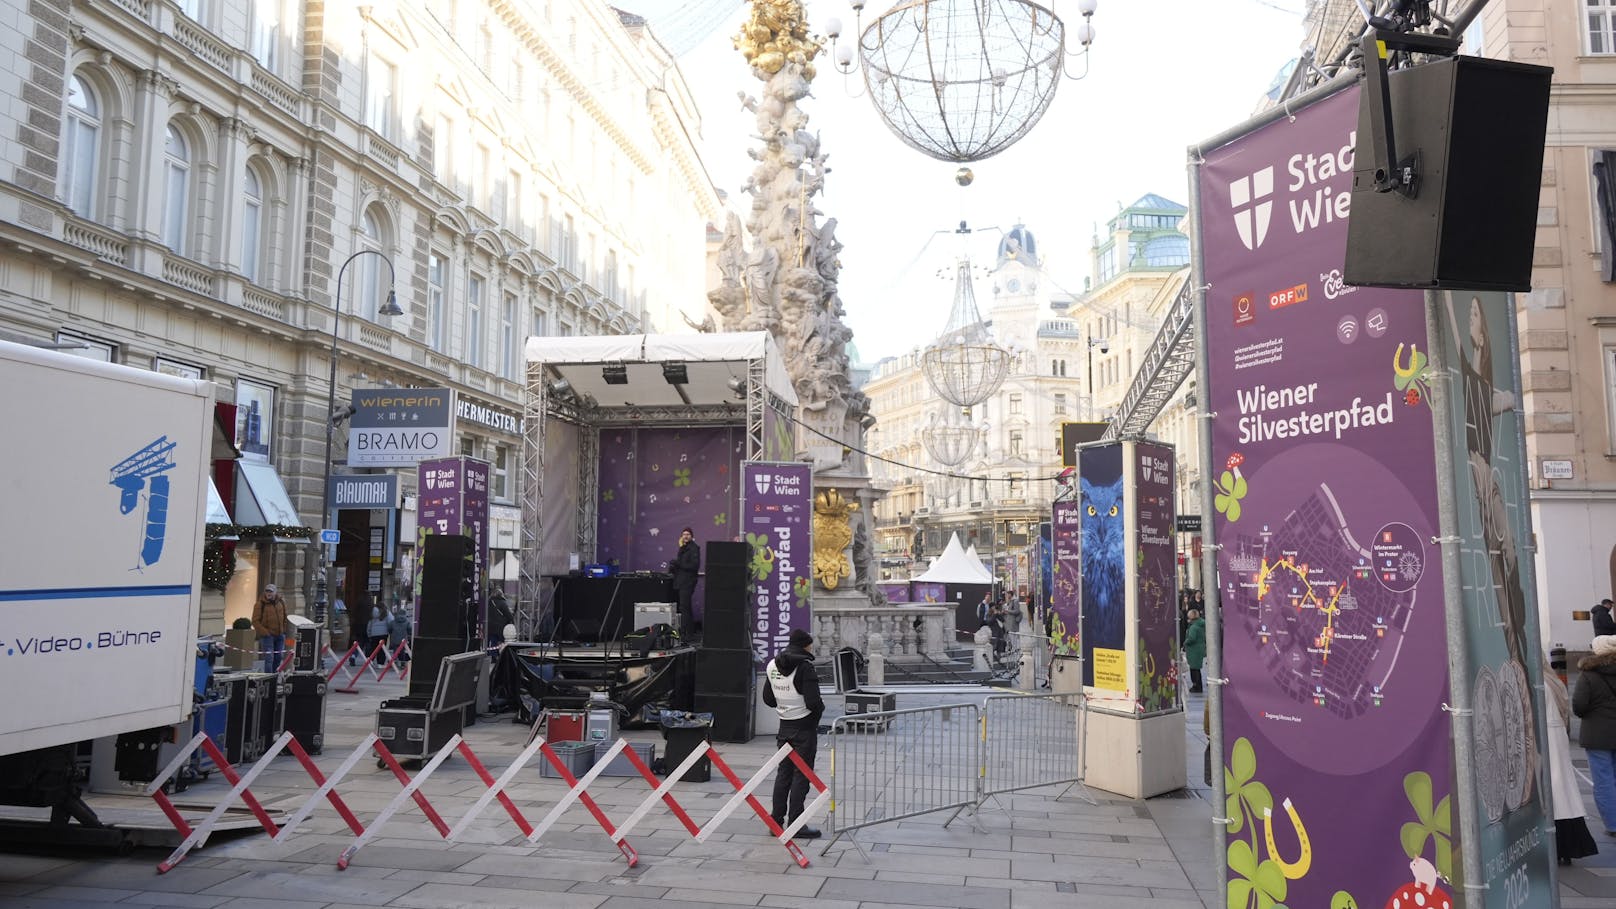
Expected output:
(654, 482)
(1157, 589)
(1326, 501)
(1066, 577)
(777, 507)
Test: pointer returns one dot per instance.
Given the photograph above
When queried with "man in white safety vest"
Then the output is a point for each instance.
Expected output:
(793, 691)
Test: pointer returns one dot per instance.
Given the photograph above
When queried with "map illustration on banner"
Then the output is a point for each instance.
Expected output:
(1336, 760)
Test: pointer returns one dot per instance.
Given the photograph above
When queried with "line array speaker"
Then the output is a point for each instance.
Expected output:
(446, 570)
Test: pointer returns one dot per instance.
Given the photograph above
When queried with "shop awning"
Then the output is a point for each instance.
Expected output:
(217, 514)
(261, 500)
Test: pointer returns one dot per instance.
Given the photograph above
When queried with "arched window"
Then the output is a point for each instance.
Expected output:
(81, 150)
(176, 190)
(370, 267)
(252, 225)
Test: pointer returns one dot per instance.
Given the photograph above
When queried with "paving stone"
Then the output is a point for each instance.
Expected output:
(917, 894)
(443, 896)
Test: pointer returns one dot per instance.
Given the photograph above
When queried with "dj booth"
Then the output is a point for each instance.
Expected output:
(590, 610)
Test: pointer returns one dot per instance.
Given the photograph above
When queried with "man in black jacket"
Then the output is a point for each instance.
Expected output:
(1604, 622)
(685, 567)
(793, 691)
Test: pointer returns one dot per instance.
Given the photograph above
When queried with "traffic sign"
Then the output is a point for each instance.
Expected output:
(331, 536)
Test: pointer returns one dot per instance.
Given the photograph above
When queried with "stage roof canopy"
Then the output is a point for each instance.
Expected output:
(955, 567)
(710, 361)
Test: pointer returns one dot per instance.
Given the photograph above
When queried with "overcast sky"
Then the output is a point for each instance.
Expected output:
(1162, 75)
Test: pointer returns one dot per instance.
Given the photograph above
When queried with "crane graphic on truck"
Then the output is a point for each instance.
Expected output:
(144, 470)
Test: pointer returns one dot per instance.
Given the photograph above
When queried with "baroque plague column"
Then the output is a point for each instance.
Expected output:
(787, 285)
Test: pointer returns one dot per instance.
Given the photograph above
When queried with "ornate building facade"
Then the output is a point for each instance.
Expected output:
(182, 184)
(1058, 342)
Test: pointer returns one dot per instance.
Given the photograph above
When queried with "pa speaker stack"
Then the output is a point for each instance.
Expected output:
(443, 617)
(1477, 127)
(725, 677)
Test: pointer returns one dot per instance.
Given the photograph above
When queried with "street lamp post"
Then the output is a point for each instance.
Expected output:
(390, 308)
(1105, 347)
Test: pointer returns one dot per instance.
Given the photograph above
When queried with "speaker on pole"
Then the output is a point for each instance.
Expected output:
(1473, 130)
(448, 587)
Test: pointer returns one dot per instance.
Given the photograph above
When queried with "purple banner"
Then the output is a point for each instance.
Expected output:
(928, 591)
(474, 524)
(777, 520)
(894, 591)
(1066, 578)
(1483, 413)
(654, 482)
(1103, 558)
(453, 500)
(1157, 590)
(1323, 471)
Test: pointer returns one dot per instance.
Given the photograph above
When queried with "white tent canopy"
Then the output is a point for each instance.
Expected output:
(954, 566)
(711, 361)
(976, 559)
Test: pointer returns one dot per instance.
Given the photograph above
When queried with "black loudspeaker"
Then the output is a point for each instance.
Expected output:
(446, 571)
(727, 672)
(727, 554)
(1478, 127)
(426, 658)
(724, 601)
(732, 714)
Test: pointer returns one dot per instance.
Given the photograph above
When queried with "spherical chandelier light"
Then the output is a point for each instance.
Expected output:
(964, 366)
(950, 443)
(961, 80)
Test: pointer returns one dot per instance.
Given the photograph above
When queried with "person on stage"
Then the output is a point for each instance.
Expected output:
(685, 567)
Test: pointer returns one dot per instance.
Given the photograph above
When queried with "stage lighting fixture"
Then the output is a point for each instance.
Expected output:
(675, 373)
(561, 388)
(738, 386)
(614, 374)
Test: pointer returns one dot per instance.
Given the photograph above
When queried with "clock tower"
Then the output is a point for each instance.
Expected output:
(1020, 299)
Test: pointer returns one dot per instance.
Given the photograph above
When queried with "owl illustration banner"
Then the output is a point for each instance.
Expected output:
(777, 508)
(1103, 554)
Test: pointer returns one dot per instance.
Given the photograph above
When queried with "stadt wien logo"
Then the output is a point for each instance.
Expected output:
(761, 481)
(1252, 222)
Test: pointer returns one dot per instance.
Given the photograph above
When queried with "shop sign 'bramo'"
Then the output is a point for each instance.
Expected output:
(399, 427)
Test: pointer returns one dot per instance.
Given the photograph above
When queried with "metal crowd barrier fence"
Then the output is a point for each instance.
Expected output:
(1030, 741)
(898, 764)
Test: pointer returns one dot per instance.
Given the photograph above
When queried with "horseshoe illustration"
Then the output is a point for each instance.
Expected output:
(1304, 861)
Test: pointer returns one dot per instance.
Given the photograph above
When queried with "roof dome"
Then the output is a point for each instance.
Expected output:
(1018, 244)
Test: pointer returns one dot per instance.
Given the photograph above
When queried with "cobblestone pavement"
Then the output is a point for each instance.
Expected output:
(1024, 850)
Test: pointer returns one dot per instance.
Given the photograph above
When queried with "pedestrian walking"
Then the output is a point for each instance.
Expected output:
(1604, 621)
(793, 691)
(269, 622)
(1195, 649)
(1571, 837)
(376, 635)
(1594, 702)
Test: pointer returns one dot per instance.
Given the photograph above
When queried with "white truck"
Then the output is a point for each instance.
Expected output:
(103, 490)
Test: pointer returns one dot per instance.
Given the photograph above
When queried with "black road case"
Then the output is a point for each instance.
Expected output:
(305, 709)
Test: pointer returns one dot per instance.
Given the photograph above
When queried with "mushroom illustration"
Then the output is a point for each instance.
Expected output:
(1422, 892)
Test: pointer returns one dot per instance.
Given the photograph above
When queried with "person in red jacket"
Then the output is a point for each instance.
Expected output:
(793, 691)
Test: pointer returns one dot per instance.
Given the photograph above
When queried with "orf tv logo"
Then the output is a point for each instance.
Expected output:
(1251, 220)
(762, 481)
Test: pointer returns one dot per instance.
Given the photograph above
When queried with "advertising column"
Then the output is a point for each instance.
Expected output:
(1156, 593)
(777, 519)
(1337, 748)
(1482, 414)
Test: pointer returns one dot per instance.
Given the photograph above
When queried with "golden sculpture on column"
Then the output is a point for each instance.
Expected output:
(833, 533)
